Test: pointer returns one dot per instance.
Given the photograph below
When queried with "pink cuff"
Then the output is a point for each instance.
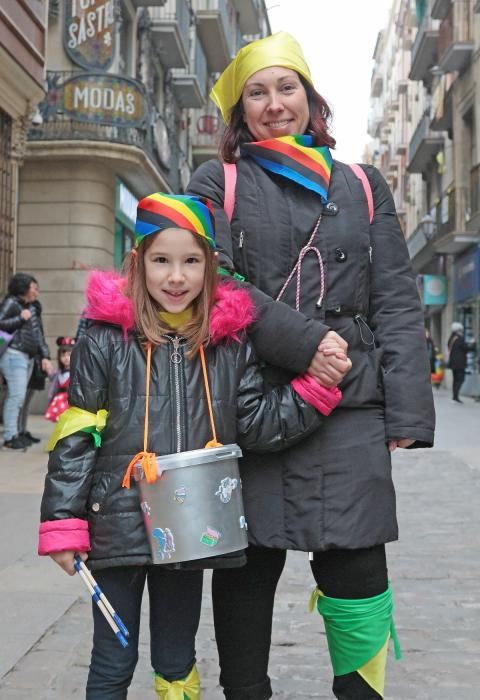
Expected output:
(62, 535)
(321, 398)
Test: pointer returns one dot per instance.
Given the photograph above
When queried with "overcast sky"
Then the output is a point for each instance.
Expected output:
(338, 38)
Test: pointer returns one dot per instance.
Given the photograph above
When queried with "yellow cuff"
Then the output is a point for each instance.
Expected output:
(186, 689)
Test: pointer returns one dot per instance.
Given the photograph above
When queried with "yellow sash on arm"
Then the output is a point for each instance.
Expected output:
(75, 419)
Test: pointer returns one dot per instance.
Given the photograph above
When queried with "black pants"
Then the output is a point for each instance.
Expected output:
(243, 608)
(458, 379)
(175, 602)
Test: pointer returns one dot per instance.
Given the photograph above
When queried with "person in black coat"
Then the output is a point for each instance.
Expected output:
(322, 252)
(457, 360)
(171, 334)
(20, 317)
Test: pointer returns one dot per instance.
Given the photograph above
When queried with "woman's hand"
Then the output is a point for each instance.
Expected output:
(26, 314)
(66, 560)
(330, 363)
(393, 444)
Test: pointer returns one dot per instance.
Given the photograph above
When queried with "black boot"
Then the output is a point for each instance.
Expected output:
(352, 687)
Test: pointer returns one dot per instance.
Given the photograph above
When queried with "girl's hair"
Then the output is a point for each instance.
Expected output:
(20, 284)
(236, 132)
(65, 344)
(147, 319)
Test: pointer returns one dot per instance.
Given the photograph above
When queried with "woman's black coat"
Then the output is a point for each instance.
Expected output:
(334, 489)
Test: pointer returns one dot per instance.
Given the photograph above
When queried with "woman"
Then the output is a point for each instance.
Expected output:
(300, 233)
(20, 318)
(457, 360)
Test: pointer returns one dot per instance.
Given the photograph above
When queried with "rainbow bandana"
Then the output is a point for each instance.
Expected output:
(159, 211)
(295, 158)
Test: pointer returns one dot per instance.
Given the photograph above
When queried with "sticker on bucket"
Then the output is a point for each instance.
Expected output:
(242, 522)
(165, 542)
(226, 488)
(210, 537)
(180, 494)
(146, 508)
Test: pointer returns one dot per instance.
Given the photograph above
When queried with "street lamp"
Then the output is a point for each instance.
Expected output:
(429, 226)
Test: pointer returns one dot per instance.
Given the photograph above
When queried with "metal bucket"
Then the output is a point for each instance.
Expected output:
(195, 508)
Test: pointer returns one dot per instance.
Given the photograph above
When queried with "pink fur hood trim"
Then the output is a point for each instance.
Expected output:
(232, 313)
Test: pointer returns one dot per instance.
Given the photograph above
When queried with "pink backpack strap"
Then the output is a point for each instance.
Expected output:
(230, 172)
(360, 173)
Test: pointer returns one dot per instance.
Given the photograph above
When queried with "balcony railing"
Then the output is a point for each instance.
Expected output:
(424, 50)
(170, 30)
(424, 145)
(455, 42)
(475, 190)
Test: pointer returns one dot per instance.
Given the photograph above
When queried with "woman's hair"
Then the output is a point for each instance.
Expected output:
(236, 132)
(148, 322)
(20, 284)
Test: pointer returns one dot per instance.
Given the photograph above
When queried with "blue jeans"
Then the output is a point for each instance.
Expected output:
(16, 367)
(175, 603)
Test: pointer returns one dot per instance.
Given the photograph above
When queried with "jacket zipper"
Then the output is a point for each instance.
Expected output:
(370, 253)
(176, 359)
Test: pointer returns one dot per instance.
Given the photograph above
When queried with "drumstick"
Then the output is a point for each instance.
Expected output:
(100, 604)
(102, 596)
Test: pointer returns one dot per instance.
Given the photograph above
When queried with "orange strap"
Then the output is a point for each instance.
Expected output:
(146, 459)
(214, 442)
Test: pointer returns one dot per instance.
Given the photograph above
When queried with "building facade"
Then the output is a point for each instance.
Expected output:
(22, 63)
(125, 114)
(438, 181)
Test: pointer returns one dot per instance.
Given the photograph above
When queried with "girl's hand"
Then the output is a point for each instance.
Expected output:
(66, 560)
(393, 444)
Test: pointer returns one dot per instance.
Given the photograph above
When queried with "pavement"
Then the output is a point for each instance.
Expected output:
(45, 630)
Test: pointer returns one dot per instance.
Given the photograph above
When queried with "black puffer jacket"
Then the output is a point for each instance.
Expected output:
(108, 372)
(334, 489)
(28, 335)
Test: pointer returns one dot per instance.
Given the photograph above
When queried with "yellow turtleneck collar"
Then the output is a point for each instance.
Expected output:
(177, 320)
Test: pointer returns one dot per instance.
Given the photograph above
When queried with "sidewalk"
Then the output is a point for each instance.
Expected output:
(434, 569)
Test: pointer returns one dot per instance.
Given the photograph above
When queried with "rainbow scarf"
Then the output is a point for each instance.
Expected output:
(160, 211)
(295, 158)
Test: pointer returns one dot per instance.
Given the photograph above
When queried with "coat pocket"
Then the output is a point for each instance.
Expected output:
(98, 492)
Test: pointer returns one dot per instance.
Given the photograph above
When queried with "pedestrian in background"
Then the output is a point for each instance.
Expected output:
(60, 380)
(457, 358)
(36, 382)
(20, 318)
(164, 332)
(300, 234)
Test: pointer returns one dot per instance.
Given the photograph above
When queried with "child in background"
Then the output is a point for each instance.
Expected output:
(168, 332)
(58, 392)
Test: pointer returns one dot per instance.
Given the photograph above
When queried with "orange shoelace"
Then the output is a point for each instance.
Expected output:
(146, 459)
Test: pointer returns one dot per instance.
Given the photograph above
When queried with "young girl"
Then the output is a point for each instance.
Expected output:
(58, 392)
(157, 331)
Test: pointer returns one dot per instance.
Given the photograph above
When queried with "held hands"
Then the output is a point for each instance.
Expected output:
(26, 314)
(47, 366)
(393, 444)
(330, 363)
(65, 560)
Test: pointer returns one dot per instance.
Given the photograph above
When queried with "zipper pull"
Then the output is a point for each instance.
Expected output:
(176, 355)
(240, 240)
(370, 251)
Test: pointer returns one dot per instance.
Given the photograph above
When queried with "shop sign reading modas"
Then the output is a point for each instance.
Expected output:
(105, 99)
(89, 32)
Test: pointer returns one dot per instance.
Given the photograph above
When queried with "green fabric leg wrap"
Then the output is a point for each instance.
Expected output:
(357, 629)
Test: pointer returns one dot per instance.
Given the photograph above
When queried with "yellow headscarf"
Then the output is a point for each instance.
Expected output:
(279, 49)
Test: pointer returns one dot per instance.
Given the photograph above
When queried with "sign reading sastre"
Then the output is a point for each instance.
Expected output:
(105, 99)
(89, 32)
